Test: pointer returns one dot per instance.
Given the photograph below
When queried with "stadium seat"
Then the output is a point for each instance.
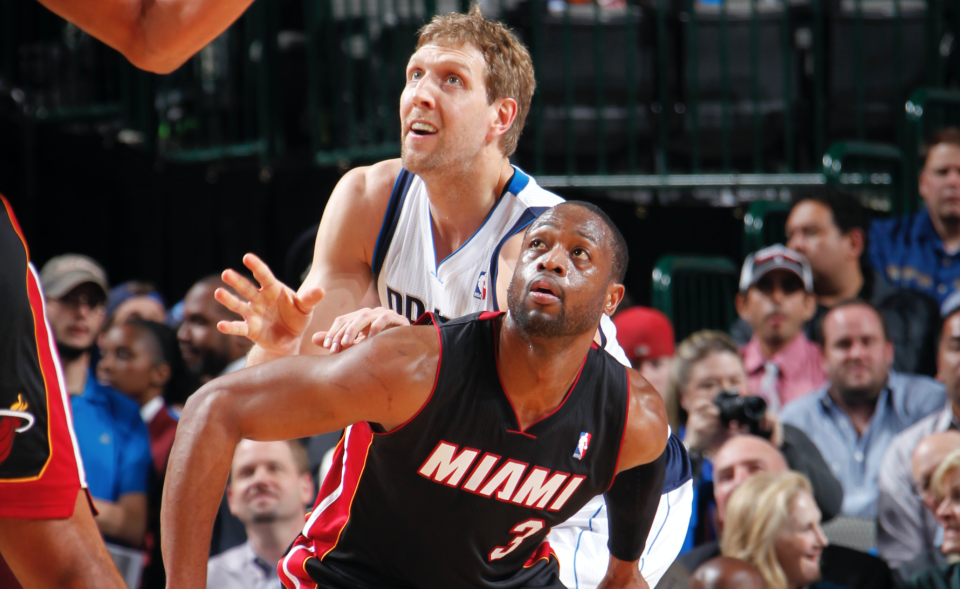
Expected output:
(763, 225)
(875, 171)
(695, 292)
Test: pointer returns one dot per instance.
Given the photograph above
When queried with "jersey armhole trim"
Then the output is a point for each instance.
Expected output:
(623, 436)
(428, 316)
(390, 219)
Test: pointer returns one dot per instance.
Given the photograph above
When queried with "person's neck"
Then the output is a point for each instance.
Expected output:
(146, 396)
(948, 230)
(76, 372)
(858, 410)
(271, 540)
(460, 200)
(770, 348)
(846, 285)
(536, 372)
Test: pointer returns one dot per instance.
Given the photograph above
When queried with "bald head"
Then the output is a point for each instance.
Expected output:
(928, 454)
(738, 459)
(724, 572)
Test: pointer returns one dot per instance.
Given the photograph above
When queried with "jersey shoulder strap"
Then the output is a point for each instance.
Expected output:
(390, 219)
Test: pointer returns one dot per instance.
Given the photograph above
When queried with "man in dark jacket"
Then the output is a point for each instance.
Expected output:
(830, 228)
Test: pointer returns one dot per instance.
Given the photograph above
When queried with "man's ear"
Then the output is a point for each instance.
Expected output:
(613, 297)
(506, 115)
(307, 493)
(856, 238)
(740, 301)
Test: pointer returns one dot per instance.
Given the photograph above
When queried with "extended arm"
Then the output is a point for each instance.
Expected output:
(155, 35)
(384, 381)
(280, 321)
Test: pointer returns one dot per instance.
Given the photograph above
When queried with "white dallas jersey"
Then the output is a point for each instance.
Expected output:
(409, 280)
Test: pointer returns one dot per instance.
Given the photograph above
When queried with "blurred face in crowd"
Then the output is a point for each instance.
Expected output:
(656, 371)
(856, 353)
(776, 307)
(205, 350)
(142, 307)
(131, 363)
(76, 317)
(927, 456)
(719, 371)
(801, 543)
(948, 513)
(444, 109)
(265, 483)
(738, 459)
(940, 182)
(812, 232)
(948, 357)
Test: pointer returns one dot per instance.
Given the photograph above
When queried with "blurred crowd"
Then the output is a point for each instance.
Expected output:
(823, 430)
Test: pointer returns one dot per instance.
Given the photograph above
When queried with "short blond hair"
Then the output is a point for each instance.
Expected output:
(756, 513)
(938, 481)
(509, 67)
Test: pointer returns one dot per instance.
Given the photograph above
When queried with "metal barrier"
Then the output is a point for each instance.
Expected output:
(695, 292)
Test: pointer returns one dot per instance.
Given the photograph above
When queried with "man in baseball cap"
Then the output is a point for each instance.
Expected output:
(110, 433)
(647, 338)
(776, 299)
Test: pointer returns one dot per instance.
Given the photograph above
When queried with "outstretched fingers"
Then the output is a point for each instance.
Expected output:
(308, 299)
(261, 272)
(239, 283)
(233, 328)
(231, 301)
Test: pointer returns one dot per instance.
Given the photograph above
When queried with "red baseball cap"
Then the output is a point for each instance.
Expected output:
(644, 333)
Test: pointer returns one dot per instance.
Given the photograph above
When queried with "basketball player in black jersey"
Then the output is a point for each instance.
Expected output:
(460, 451)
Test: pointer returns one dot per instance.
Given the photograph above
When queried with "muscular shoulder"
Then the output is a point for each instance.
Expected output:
(645, 435)
(350, 223)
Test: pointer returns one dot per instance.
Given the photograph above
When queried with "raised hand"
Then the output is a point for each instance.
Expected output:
(274, 315)
(353, 328)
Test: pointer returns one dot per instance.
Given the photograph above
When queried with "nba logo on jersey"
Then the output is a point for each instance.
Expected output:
(582, 445)
(480, 292)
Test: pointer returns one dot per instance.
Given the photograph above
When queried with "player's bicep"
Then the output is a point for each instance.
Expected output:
(506, 264)
(646, 432)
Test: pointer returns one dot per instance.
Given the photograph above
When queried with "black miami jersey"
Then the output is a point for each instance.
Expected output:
(460, 496)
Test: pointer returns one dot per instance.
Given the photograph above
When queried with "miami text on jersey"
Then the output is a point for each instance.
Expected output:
(448, 467)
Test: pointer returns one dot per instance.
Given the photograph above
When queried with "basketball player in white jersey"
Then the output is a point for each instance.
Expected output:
(440, 230)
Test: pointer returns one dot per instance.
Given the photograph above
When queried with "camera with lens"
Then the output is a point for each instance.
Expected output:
(748, 411)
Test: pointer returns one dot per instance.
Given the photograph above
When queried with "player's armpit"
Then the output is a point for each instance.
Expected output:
(646, 432)
(344, 250)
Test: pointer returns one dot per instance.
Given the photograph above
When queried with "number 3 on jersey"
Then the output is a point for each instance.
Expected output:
(523, 530)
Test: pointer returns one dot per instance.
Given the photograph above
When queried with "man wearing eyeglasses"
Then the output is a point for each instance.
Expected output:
(776, 299)
(112, 437)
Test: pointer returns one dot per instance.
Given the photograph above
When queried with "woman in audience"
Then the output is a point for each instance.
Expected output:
(773, 523)
(134, 299)
(945, 484)
(707, 363)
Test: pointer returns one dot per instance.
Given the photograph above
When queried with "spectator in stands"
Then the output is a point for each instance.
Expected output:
(929, 454)
(905, 530)
(922, 251)
(706, 364)
(269, 487)
(773, 523)
(738, 460)
(141, 359)
(776, 298)
(135, 299)
(946, 486)
(724, 572)
(647, 339)
(830, 229)
(111, 435)
(853, 418)
(208, 352)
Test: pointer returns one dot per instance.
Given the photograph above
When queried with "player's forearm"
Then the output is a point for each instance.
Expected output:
(155, 35)
(125, 520)
(196, 476)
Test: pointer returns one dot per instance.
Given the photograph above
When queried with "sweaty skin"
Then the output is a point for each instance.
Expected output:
(389, 378)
